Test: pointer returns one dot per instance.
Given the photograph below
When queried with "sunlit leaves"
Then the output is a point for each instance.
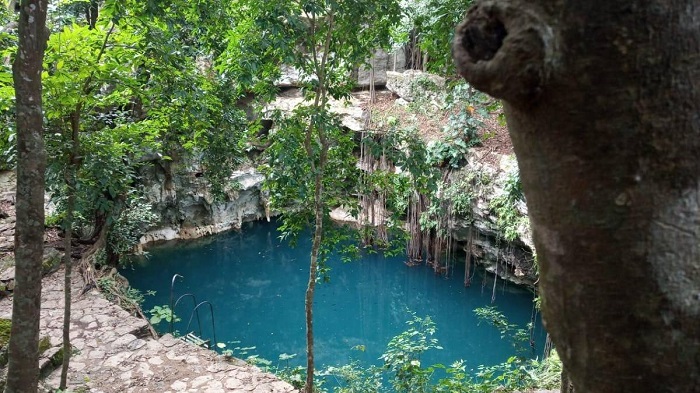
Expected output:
(432, 22)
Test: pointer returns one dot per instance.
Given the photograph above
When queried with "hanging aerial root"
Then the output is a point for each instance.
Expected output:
(505, 50)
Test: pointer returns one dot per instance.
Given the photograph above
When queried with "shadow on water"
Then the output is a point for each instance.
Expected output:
(256, 283)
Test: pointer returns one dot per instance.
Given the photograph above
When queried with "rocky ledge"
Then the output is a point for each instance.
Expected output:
(114, 352)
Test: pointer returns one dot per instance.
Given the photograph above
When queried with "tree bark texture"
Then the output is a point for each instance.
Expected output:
(23, 369)
(70, 182)
(311, 287)
(602, 100)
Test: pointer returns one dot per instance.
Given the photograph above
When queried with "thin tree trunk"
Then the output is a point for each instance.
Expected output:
(320, 101)
(602, 100)
(23, 368)
(91, 12)
(67, 261)
(310, 289)
(70, 179)
(372, 93)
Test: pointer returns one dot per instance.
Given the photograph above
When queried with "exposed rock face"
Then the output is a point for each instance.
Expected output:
(181, 196)
(409, 83)
(479, 234)
(291, 77)
(381, 62)
(378, 64)
(350, 112)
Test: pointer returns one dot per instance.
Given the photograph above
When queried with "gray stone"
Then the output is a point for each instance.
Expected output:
(350, 112)
(201, 380)
(51, 260)
(291, 77)
(179, 386)
(8, 274)
(379, 63)
(189, 209)
(412, 84)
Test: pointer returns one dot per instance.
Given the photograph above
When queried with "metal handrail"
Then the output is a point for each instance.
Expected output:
(211, 310)
(194, 304)
(172, 287)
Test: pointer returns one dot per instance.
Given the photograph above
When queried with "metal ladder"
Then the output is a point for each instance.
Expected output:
(190, 337)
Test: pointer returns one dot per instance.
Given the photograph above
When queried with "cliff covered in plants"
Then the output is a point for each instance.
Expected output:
(432, 159)
(147, 118)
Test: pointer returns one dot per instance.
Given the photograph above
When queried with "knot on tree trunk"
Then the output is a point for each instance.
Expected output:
(505, 50)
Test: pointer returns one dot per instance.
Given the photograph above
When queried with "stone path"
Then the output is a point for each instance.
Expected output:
(114, 352)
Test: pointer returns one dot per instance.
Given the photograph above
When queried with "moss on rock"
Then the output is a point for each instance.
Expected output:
(51, 261)
(44, 344)
(5, 325)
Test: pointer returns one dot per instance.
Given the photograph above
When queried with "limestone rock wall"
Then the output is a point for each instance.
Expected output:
(380, 63)
(181, 195)
(478, 233)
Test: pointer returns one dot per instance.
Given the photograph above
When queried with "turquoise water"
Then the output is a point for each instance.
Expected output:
(256, 284)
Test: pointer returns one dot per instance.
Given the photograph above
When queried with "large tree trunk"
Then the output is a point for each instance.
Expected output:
(23, 369)
(602, 100)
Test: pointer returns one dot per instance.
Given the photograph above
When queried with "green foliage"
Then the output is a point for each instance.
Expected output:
(8, 46)
(441, 152)
(162, 314)
(234, 349)
(293, 188)
(460, 132)
(406, 150)
(509, 219)
(44, 344)
(125, 231)
(518, 337)
(118, 292)
(464, 188)
(88, 83)
(403, 356)
(294, 191)
(405, 373)
(353, 378)
(137, 83)
(547, 373)
(53, 220)
(5, 325)
(324, 42)
(433, 21)
(296, 376)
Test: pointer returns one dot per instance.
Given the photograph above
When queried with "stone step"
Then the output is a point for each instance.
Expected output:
(50, 360)
(193, 339)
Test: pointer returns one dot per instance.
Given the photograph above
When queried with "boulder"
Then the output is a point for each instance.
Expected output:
(351, 114)
(51, 260)
(379, 62)
(413, 84)
(291, 77)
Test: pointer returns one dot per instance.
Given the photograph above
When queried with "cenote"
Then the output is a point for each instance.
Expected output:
(256, 283)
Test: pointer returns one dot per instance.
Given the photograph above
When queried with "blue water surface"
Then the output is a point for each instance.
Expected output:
(256, 283)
